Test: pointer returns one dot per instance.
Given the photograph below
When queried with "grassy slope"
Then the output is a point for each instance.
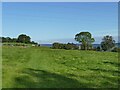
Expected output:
(45, 68)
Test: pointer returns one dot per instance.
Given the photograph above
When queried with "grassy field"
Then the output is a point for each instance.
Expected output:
(42, 67)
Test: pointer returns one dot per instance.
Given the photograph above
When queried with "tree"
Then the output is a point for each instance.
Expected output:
(86, 40)
(23, 38)
(107, 43)
(98, 48)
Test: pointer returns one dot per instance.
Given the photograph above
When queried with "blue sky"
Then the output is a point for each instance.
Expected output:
(59, 22)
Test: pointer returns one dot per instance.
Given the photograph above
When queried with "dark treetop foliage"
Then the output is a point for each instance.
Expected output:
(21, 39)
(107, 43)
(86, 40)
(8, 39)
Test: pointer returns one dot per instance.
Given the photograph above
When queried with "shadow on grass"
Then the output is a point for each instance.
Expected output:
(111, 82)
(32, 78)
(105, 70)
(112, 63)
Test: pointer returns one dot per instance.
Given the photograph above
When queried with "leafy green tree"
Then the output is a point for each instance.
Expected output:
(86, 40)
(23, 38)
(107, 43)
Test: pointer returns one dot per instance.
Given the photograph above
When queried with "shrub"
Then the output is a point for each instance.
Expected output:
(98, 48)
(64, 46)
(116, 49)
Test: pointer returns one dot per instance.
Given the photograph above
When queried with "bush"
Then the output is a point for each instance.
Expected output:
(55, 45)
(98, 48)
(116, 49)
(64, 46)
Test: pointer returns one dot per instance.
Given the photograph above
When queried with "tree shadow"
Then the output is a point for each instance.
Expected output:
(32, 78)
(105, 70)
(111, 82)
(116, 64)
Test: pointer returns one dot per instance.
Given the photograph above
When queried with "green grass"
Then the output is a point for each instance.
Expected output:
(40, 67)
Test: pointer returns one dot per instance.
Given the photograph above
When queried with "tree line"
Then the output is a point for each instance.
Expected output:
(85, 39)
(67, 46)
(20, 39)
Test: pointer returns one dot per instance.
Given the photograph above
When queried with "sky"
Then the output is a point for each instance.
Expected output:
(60, 0)
(48, 22)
